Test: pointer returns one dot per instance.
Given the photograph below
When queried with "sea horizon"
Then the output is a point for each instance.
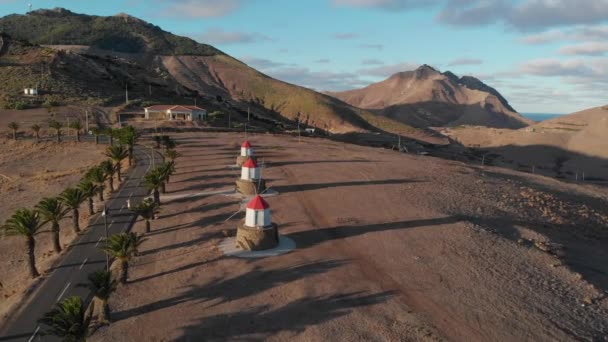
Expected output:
(541, 116)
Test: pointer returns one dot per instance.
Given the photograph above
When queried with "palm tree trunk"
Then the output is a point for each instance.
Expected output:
(101, 195)
(58, 136)
(56, 244)
(147, 225)
(75, 219)
(124, 271)
(156, 196)
(37, 136)
(130, 155)
(118, 173)
(162, 188)
(111, 183)
(111, 140)
(91, 212)
(104, 313)
(14, 134)
(77, 136)
(96, 139)
(31, 246)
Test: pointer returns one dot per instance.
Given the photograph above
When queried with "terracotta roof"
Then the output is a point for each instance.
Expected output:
(250, 163)
(173, 107)
(246, 144)
(258, 203)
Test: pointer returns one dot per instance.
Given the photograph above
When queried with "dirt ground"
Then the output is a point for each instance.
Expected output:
(390, 247)
(30, 171)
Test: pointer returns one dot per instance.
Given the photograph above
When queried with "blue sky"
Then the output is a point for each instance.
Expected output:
(542, 55)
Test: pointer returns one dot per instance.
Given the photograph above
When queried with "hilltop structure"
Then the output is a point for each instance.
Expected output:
(251, 182)
(173, 112)
(246, 153)
(257, 232)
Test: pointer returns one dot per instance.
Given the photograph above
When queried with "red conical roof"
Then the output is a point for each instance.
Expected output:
(257, 203)
(250, 163)
(246, 144)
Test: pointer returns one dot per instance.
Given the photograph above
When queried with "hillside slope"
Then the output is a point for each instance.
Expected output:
(426, 97)
(93, 54)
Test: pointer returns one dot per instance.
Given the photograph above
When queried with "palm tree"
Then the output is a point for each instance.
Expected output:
(172, 154)
(146, 209)
(117, 153)
(89, 189)
(168, 142)
(123, 247)
(157, 140)
(56, 125)
(98, 177)
(36, 129)
(102, 285)
(167, 169)
(110, 170)
(14, 126)
(68, 320)
(77, 126)
(26, 223)
(52, 211)
(73, 198)
(153, 180)
(128, 136)
(96, 131)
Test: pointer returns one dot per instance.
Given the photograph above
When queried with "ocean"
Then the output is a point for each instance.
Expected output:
(540, 116)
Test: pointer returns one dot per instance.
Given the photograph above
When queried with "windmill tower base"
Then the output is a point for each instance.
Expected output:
(240, 160)
(257, 238)
(252, 187)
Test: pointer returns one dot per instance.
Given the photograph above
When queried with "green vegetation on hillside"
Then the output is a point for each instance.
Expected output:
(121, 33)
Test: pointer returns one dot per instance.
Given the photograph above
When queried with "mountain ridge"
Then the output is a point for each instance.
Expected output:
(426, 97)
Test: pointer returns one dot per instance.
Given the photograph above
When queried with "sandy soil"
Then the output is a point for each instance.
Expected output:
(389, 247)
(30, 171)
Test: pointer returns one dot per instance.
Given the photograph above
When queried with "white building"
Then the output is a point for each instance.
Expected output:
(30, 91)
(175, 112)
(246, 149)
(258, 213)
(250, 170)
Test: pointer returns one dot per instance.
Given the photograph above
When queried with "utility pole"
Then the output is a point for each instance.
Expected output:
(105, 223)
(86, 119)
(150, 89)
(229, 120)
(127, 93)
(247, 114)
(195, 101)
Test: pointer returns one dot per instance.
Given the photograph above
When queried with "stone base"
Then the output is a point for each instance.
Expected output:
(240, 160)
(257, 239)
(250, 188)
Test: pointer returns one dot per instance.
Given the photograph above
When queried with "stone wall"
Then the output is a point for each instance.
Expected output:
(257, 239)
(250, 188)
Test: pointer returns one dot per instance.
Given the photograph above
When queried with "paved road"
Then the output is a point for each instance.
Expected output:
(83, 258)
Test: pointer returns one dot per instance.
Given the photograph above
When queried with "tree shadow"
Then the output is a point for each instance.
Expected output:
(202, 178)
(308, 187)
(261, 322)
(300, 162)
(175, 270)
(244, 285)
(201, 209)
(207, 186)
(309, 238)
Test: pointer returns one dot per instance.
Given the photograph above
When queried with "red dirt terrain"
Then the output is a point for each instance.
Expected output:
(390, 247)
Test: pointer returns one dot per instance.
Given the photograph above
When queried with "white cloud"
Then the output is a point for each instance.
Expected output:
(389, 69)
(219, 36)
(345, 36)
(200, 8)
(585, 49)
(372, 61)
(525, 15)
(586, 33)
(386, 4)
(465, 61)
(378, 47)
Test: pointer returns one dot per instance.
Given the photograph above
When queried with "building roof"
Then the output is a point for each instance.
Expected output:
(258, 203)
(250, 163)
(162, 108)
(246, 144)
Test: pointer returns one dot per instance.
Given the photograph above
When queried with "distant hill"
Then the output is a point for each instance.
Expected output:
(77, 57)
(426, 97)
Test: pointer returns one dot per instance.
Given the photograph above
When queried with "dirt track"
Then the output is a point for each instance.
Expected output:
(389, 247)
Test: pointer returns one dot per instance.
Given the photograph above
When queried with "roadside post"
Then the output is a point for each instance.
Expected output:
(104, 213)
